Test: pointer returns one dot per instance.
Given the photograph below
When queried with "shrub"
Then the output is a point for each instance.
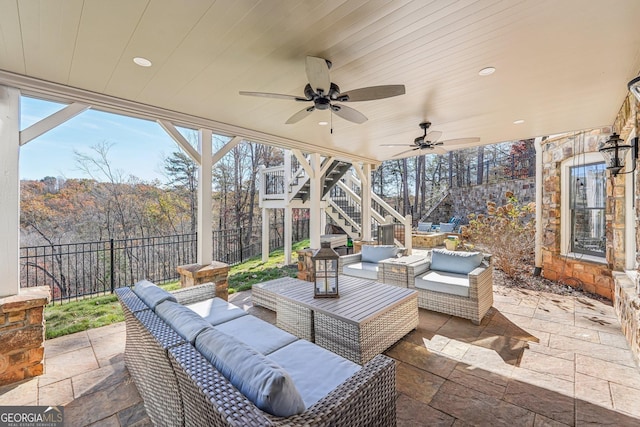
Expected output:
(507, 232)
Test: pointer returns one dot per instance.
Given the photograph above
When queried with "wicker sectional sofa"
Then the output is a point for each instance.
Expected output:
(198, 360)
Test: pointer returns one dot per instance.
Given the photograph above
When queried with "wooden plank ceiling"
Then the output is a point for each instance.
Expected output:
(561, 65)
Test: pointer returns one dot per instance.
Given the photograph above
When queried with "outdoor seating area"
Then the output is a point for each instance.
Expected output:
(535, 359)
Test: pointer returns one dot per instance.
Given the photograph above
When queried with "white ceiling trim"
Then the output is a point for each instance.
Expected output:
(66, 94)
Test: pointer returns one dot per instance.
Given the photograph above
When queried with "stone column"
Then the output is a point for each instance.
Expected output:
(306, 270)
(22, 334)
(197, 274)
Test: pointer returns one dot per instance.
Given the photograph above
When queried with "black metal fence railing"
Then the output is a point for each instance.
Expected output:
(76, 270)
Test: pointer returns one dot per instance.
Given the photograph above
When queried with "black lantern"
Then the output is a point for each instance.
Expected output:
(614, 153)
(325, 261)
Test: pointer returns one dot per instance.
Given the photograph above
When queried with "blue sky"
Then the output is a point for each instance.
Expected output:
(138, 146)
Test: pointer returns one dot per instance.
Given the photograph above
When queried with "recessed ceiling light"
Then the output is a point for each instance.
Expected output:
(323, 123)
(143, 62)
(487, 71)
(518, 122)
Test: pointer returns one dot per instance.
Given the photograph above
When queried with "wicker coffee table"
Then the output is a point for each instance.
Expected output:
(365, 320)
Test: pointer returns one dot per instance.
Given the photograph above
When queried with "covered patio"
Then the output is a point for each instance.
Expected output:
(480, 72)
(536, 359)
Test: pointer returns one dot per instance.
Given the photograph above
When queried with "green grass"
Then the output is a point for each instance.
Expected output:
(88, 313)
(252, 271)
(76, 316)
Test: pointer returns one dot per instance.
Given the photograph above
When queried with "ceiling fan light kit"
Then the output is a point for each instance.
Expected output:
(324, 94)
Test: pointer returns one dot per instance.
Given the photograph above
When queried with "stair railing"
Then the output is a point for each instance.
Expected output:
(381, 209)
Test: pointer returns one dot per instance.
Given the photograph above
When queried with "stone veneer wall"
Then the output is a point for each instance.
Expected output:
(22, 334)
(627, 305)
(474, 199)
(592, 276)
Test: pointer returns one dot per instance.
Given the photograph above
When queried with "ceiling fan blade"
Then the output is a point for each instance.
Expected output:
(396, 145)
(438, 150)
(272, 95)
(374, 92)
(405, 152)
(433, 136)
(300, 115)
(349, 113)
(318, 74)
(462, 141)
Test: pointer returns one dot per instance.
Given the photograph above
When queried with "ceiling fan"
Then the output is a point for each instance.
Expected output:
(324, 94)
(430, 140)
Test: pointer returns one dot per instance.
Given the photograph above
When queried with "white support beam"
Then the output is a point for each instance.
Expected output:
(225, 149)
(303, 162)
(327, 164)
(314, 198)
(365, 191)
(205, 231)
(265, 234)
(537, 143)
(51, 122)
(10, 190)
(180, 140)
(288, 234)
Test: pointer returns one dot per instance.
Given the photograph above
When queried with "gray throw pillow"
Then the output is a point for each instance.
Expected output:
(151, 294)
(376, 254)
(458, 262)
(261, 380)
(185, 322)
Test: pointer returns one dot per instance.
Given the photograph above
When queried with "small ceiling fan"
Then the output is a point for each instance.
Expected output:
(323, 93)
(429, 140)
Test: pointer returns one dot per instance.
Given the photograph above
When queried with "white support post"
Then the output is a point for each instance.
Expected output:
(288, 233)
(265, 234)
(408, 242)
(539, 226)
(205, 231)
(314, 199)
(365, 189)
(10, 190)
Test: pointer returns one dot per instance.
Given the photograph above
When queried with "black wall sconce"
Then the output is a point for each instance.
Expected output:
(613, 150)
(614, 153)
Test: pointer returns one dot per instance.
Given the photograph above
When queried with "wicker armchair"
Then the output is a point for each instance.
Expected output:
(472, 307)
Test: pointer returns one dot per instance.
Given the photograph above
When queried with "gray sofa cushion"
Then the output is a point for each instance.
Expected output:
(376, 254)
(447, 227)
(260, 335)
(184, 321)
(314, 370)
(366, 270)
(259, 379)
(151, 294)
(458, 262)
(448, 283)
(216, 310)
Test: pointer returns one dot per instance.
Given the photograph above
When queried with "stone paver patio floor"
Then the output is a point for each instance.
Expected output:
(537, 359)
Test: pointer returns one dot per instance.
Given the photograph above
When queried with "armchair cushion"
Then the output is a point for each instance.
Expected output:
(375, 254)
(448, 283)
(365, 270)
(456, 262)
(151, 294)
(261, 380)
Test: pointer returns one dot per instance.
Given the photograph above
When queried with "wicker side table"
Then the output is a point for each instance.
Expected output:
(396, 271)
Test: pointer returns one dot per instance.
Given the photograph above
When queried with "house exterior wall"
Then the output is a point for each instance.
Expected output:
(592, 276)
